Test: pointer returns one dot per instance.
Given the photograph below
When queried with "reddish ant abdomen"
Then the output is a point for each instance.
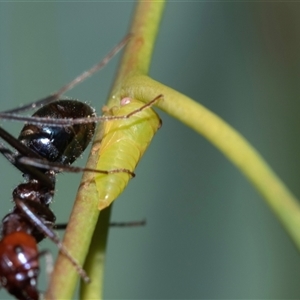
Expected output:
(19, 266)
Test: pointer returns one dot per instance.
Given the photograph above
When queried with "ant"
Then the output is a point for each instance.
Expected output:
(51, 140)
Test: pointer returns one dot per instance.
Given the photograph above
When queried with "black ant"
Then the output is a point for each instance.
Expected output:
(53, 138)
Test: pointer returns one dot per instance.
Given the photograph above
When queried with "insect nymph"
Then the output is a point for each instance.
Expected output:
(123, 144)
(53, 138)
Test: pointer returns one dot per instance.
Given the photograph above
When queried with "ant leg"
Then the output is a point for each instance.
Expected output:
(7, 153)
(123, 102)
(112, 224)
(128, 224)
(126, 100)
(15, 143)
(36, 221)
(57, 167)
(15, 158)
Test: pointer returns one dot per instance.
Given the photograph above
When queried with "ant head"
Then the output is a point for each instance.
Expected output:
(19, 266)
(61, 144)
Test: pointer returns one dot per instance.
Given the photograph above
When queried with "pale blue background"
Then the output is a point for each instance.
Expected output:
(208, 234)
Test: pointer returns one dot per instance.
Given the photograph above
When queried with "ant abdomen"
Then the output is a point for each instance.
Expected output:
(19, 251)
(60, 144)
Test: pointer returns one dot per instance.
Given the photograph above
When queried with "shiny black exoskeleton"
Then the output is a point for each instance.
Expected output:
(31, 218)
(60, 144)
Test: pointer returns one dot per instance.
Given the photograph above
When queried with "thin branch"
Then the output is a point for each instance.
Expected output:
(85, 213)
(231, 143)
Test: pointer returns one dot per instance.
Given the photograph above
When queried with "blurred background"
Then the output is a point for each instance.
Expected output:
(209, 234)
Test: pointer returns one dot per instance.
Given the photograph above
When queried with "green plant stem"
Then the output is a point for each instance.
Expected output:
(135, 60)
(131, 81)
(229, 142)
(138, 52)
(94, 264)
(85, 214)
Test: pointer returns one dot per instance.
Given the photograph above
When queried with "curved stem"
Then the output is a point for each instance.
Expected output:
(229, 142)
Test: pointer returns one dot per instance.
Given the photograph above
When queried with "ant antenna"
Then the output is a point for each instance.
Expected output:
(71, 84)
(58, 167)
(67, 121)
